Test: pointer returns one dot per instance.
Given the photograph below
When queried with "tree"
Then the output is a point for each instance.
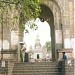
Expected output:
(48, 45)
(28, 9)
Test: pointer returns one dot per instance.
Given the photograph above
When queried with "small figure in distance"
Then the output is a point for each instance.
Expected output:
(64, 58)
(23, 52)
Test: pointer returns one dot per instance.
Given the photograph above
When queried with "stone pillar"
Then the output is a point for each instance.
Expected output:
(74, 34)
(71, 18)
(57, 29)
(20, 36)
(66, 24)
(74, 30)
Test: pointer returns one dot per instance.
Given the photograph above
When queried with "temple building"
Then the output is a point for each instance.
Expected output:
(39, 53)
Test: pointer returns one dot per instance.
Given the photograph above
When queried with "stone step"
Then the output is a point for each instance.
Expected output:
(37, 70)
(22, 71)
(17, 66)
(38, 73)
(33, 68)
(41, 68)
(35, 64)
(52, 62)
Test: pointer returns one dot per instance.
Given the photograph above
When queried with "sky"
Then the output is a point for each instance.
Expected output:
(43, 32)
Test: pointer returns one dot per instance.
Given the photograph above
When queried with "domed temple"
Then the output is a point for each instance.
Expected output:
(60, 15)
(39, 53)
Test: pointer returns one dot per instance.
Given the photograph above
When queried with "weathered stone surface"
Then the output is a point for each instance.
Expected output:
(61, 14)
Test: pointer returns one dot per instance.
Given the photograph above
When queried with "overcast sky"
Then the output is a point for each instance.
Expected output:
(43, 32)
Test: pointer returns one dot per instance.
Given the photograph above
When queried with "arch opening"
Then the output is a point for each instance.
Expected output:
(38, 42)
(48, 14)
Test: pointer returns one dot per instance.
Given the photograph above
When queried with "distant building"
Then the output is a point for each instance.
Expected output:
(39, 53)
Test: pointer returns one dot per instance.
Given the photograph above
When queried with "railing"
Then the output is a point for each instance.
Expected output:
(7, 55)
(68, 51)
(9, 52)
(66, 68)
(3, 67)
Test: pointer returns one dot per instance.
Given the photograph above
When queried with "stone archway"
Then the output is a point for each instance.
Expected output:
(51, 13)
(63, 23)
(58, 21)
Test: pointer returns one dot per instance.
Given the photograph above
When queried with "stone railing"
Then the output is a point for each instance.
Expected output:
(10, 67)
(68, 67)
(6, 67)
(9, 55)
(3, 67)
(9, 52)
(68, 51)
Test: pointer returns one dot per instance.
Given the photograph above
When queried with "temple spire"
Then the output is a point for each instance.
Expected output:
(37, 41)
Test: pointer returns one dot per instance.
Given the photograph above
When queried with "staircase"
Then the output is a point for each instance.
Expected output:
(38, 68)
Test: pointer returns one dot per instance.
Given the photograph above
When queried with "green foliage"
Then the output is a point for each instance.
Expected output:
(48, 45)
(30, 25)
(28, 9)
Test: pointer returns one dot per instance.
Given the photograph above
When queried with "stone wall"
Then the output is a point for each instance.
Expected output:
(3, 67)
(63, 25)
(68, 67)
(9, 28)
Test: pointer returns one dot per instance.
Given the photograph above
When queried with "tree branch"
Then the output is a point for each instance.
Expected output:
(4, 1)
